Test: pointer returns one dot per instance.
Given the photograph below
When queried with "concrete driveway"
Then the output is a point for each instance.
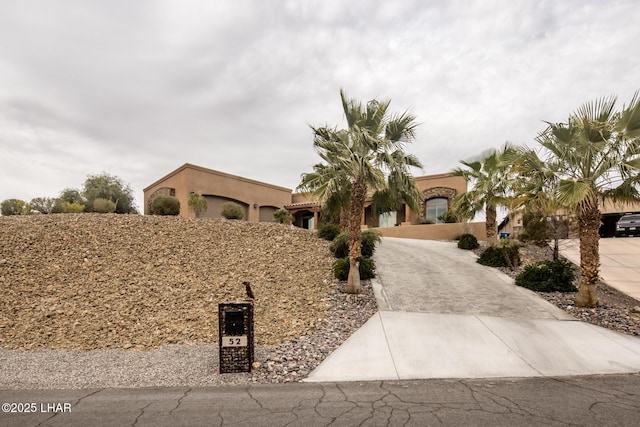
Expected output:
(619, 262)
(445, 316)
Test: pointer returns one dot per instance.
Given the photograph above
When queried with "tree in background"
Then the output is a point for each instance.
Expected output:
(14, 207)
(367, 156)
(44, 205)
(490, 188)
(197, 203)
(109, 187)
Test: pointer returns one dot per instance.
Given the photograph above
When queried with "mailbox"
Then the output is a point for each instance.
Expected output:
(235, 331)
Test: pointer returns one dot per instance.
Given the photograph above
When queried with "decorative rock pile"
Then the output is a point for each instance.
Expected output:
(92, 281)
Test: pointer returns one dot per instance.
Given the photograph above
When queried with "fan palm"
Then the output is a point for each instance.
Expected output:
(593, 157)
(490, 187)
(366, 156)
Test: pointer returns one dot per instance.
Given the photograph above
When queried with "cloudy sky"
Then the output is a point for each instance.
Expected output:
(137, 88)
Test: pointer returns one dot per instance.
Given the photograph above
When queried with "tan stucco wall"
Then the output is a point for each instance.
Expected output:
(435, 231)
(191, 178)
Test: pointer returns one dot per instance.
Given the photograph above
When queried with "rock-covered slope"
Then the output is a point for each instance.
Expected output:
(88, 281)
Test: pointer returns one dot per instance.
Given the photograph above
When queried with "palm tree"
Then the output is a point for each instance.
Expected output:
(533, 188)
(490, 180)
(367, 156)
(593, 157)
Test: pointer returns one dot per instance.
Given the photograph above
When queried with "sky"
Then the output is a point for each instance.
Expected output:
(137, 88)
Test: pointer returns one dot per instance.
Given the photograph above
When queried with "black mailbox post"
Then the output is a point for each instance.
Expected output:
(235, 331)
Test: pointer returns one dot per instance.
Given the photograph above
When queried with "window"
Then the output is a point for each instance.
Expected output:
(388, 219)
(435, 208)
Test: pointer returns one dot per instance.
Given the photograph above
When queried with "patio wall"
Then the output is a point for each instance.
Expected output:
(435, 231)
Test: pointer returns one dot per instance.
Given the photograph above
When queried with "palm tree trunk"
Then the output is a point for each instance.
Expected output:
(344, 220)
(356, 204)
(492, 228)
(588, 225)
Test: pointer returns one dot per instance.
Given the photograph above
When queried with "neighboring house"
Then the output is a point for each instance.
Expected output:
(260, 200)
(611, 213)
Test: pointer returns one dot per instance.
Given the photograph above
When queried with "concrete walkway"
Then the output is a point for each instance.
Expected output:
(445, 316)
(619, 262)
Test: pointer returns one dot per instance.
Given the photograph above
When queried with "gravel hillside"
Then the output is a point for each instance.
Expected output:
(94, 281)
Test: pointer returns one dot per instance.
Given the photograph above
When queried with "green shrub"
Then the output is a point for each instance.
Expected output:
(548, 276)
(232, 210)
(340, 245)
(14, 207)
(448, 217)
(504, 254)
(74, 207)
(104, 206)
(468, 241)
(282, 216)
(197, 203)
(367, 268)
(164, 205)
(328, 231)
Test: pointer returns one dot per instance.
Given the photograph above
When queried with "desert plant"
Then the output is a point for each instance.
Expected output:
(548, 276)
(367, 268)
(74, 207)
(164, 205)
(103, 206)
(503, 254)
(282, 216)
(448, 217)
(468, 241)
(110, 187)
(44, 205)
(328, 231)
(14, 207)
(232, 210)
(340, 245)
(197, 203)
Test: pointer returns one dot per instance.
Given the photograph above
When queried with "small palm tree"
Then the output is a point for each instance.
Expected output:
(366, 156)
(593, 157)
(490, 181)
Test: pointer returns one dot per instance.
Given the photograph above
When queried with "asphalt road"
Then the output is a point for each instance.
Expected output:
(585, 401)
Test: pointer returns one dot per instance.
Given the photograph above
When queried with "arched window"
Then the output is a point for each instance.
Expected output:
(435, 208)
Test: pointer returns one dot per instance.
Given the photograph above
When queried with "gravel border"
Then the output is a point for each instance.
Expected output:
(188, 365)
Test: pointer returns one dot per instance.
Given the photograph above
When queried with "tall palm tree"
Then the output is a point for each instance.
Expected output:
(366, 156)
(594, 156)
(490, 180)
(533, 188)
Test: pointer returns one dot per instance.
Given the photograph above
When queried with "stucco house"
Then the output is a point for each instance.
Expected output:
(260, 200)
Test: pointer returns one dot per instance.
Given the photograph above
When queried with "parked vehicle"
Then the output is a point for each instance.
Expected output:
(628, 225)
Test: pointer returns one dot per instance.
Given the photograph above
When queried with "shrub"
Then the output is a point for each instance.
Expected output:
(44, 205)
(340, 245)
(232, 210)
(14, 207)
(504, 254)
(548, 276)
(468, 241)
(328, 231)
(74, 207)
(104, 206)
(367, 268)
(282, 216)
(197, 203)
(448, 217)
(164, 205)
